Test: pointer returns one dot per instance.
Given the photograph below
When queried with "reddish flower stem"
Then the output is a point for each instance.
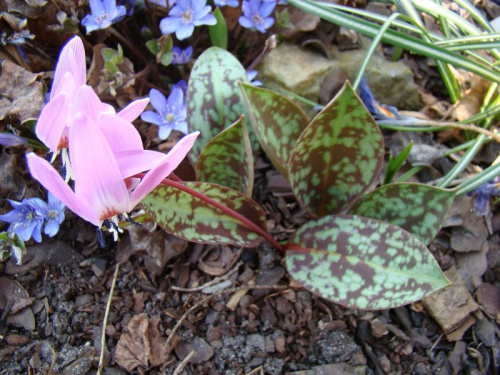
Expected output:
(261, 232)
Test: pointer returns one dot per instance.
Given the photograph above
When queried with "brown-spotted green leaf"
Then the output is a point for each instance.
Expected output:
(419, 209)
(188, 217)
(337, 157)
(227, 159)
(362, 263)
(214, 100)
(277, 122)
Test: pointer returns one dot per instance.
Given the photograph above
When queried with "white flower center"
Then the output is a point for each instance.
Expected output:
(187, 16)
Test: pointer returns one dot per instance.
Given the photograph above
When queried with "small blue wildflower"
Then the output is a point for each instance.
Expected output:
(185, 15)
(183, 86)
(9, 139)
(251, 74)
(103, 14)
(379, 111)
(53, 213)
(181, 56)
(256, 14)
(484, 192)
(229, 3)
(26, 219)
(16, 38)
(170, 113)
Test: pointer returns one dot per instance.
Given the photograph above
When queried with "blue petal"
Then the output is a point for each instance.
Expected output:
(176, 98)
(169, 25)
(51, 228)
(152, 117)
(96, 7)
(245, 22)
(164, 132)
(209, 19)
(268, 22)
(184, 32)
(109, 6)
(267, 8)
(181, 127)
(175, 11)
(158, 100)
(184, 4)
(119, 14)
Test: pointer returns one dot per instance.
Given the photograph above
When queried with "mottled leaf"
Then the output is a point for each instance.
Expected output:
(362, 263)
(277, 122)
(419, 209)
(337, 157)
(187, 217)
(214, 100)
(227, 159)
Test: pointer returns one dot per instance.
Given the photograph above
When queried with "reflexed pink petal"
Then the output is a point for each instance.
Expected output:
(133, 110)
(98, 180)
(71, 59)
(162, 170)
(45, 173)
(120, 133)
(132, 162)
(52, 123)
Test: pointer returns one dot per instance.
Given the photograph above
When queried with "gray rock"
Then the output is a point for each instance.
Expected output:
(302, 72)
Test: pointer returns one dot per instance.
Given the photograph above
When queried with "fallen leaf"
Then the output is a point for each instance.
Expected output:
(452, 307)
(22, 95)
(141, 344)
(488, 297)
(12, 294)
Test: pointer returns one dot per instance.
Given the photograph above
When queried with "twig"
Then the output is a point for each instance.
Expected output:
(212, 282)
(254, 371)
(183, 364)
(105, 322)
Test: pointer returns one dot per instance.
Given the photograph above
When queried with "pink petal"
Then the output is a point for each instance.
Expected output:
(52, 123)
(71, 59)
(87, 101)
(133, 110)
(162, 170)
(98, 180)
(133, 162)
(45, 173)
(120, 133)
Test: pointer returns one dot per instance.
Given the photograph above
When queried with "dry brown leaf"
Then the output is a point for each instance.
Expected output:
(13, 295)
(22, 96)
(470, 104)
(141, 344)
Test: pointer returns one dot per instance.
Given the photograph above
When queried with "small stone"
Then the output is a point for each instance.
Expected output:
(485, 331)
(202, 351)
(16, 340)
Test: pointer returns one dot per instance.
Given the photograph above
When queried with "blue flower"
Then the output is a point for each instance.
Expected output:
(256, 14)
(8, 139)
(185, 15)
(26, 219)
(484, 192)
(181, 56)
(379, 111)
(53, 213)
(103, 14)
(229, 3)
(251, 74)
(183, 86)
(170, 113)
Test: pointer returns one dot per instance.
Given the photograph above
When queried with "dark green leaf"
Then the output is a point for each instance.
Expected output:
(362, 263)
(185, 216)
(227, 159)
(218, 32)
(396, 163)
(214, 100)
(153, 46)
(277, 122)
(419, 209)
(337, 157)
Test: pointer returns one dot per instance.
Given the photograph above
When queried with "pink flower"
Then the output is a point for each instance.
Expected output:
(101, 175)
(71, 95)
